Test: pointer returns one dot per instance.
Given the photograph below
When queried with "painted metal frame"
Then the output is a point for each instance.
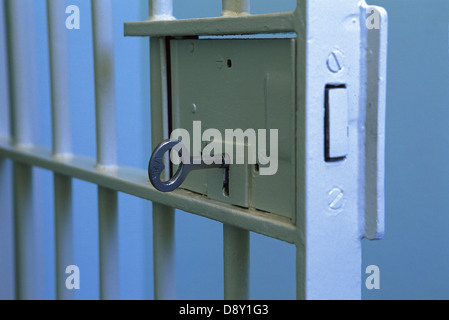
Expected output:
(337, 204)
(333, 211)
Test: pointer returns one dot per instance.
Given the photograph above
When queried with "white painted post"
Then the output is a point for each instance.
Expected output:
(64, 247)
(106, 146)
(236, 263)
(331, 200)
(235, 7)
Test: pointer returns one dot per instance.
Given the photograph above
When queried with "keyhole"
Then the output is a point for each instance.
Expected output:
(256, 168)
(229, 63)
(226, 182)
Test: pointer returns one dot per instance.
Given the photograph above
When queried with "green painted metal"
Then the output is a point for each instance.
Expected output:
(135, 182)
(227, 25)
(239, 84)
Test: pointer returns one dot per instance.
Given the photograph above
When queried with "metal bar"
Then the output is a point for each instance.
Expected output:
(59, 78)
(106, 146)
(7, 275)
(161, 10)
(109, 243)
(235, 240)
(135, 182)
(21, 81)
(227, 25)
(23, 88)
(4, 86)
(103, 38)
(236, 263)
(235, 7)
(164, 252)
(329, 246)
(375, 43)
(164, 256)
(27, 287)
(64, 246)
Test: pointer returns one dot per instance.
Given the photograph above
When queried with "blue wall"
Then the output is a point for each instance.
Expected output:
(413, 257)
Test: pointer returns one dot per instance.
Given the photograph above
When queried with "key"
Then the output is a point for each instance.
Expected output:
(156, 165)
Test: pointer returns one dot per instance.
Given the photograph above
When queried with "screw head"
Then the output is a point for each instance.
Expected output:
(335, 61)
(336, 199)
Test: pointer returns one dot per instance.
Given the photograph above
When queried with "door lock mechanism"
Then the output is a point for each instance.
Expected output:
(186, 165)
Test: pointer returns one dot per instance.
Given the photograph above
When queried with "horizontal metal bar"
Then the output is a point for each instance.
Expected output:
(250, 24)
(135, 182)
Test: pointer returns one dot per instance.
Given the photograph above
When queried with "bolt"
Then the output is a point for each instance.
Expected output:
(335, 61)
(336, 199)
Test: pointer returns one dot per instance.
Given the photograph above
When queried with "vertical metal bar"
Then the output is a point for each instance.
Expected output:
(59, 78)
(164, 256)
(25, 253)
(329, 234)
(6, 211)
(19, 42)
(164, 249)
(4, 87)
(109, 244)
(23, 88)
(236, 263)
(7, 274)
(106, 146)
(7, 291)
(161, 10)
(235, 240)
(235, 7)
(64, 246)
(103, 38)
